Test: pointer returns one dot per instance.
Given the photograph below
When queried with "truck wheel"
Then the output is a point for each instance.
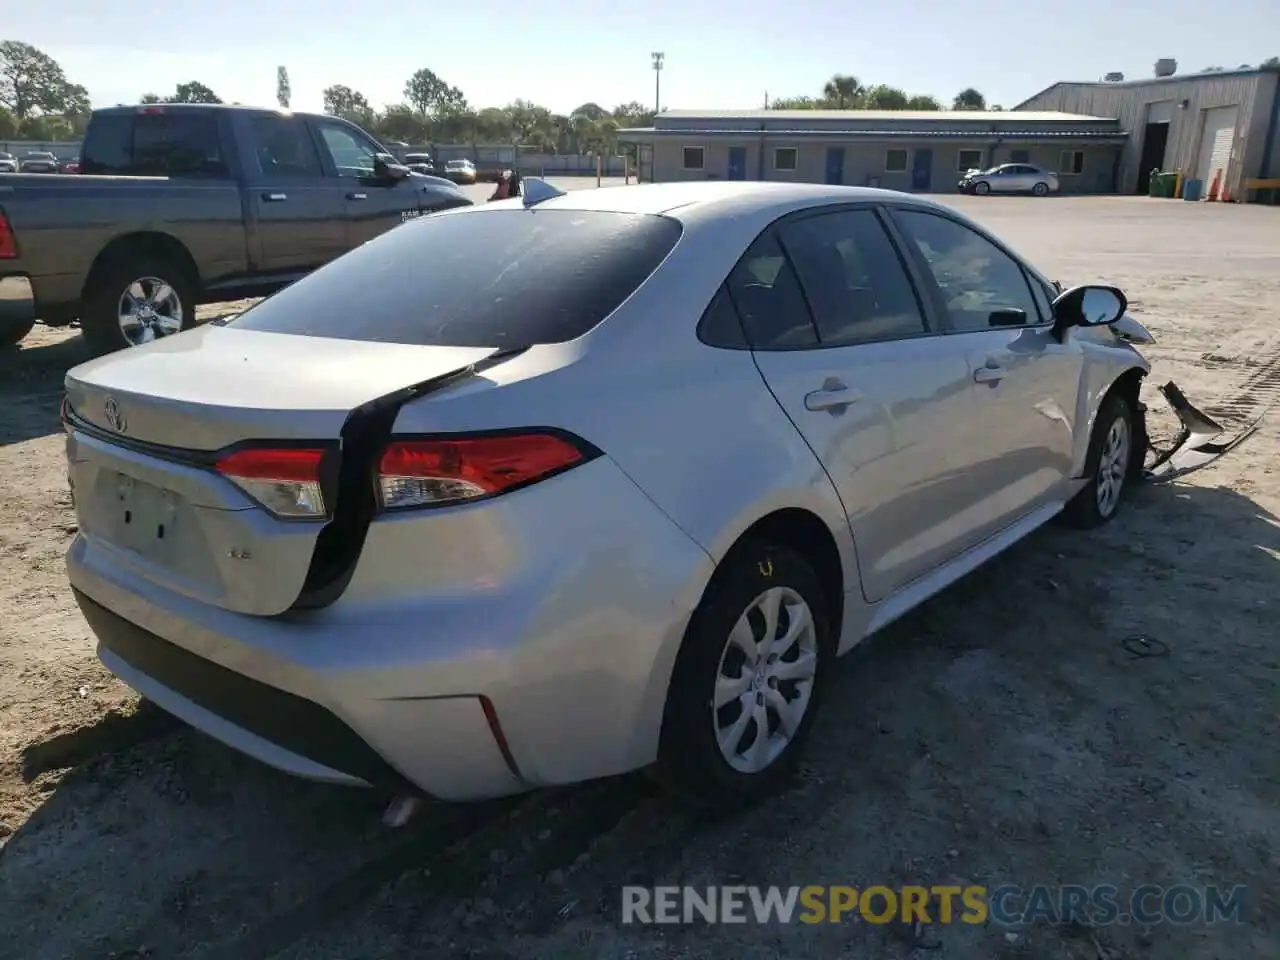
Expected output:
(12, 331)
(135, 301)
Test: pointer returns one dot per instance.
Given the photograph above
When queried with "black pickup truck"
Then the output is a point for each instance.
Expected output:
(181, 204)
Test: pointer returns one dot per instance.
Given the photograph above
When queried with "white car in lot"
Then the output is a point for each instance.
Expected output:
(460, 171)
(1010, 178)
(567, 485)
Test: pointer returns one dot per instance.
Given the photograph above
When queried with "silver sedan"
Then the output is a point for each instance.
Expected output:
(567, 485)
(1010, 178)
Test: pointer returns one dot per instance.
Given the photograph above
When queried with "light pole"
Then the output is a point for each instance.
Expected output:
(657, 80)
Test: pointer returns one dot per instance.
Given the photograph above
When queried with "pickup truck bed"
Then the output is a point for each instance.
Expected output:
(255, 199)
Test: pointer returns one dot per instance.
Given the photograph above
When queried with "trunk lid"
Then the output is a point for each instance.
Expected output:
(146, 423)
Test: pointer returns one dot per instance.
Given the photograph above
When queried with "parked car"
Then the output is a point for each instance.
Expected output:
(420, 162)
(254, 199)
(1010, 178)
(460, 171)
(71, 166)
(474, 521)
(39, 161)
(8, 163)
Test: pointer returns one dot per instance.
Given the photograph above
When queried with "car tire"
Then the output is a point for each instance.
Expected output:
(100, 312)
(12, 332)
(1040, 189)
(982, 189)
(691, 761)
(1109, 465)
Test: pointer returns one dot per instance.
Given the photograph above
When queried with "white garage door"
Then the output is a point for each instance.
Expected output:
(1215, 143)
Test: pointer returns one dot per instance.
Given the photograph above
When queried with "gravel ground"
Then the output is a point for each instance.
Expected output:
(1001, 733)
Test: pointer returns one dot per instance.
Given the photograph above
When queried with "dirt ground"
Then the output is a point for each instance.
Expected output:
(1002, 733)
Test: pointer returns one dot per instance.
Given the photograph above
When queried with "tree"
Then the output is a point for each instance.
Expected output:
(30, 80)
(193, 91)
(883, 97)
(398, 122)
(431, 96)
(8, 124)
(47, 127)
(796, 103)
(969, 99)
(1270, 62)
(341, 101)
(1212, 70)
(843, 91)
(923, 102)
(149, 98)
(283, 91)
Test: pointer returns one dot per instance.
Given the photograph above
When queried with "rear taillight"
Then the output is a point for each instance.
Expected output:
(8, 242)
(423, 473)
(284, 480)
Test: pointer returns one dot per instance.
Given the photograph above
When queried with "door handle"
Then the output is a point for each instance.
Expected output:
(988, 374)
(275, 197)
(357, 196)
(834, 397)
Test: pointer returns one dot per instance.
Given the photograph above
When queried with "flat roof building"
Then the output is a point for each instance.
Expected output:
(896, 149)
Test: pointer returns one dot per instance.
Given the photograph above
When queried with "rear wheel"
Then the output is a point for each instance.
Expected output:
(13, 331)
(1108, 466)
(748, 679)
(982, 188)
(135, 301)
(1040, 189)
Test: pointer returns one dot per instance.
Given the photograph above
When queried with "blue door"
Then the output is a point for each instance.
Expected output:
(737, 163)
(922, 170)
(835, 164)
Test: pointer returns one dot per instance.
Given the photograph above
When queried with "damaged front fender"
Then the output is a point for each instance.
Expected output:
(1199, 441)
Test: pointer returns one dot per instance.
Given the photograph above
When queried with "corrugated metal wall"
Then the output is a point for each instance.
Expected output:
(1128, 102)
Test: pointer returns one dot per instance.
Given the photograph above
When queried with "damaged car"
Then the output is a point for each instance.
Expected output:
(572, 484)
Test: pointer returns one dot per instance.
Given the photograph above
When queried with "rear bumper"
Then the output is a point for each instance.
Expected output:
(568, 652)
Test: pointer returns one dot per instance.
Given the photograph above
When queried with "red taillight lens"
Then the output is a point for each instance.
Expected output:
(8, 242)
(284, 480)
(421, 473)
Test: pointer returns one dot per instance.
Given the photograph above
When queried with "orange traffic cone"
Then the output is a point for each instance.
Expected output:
(1212, 195)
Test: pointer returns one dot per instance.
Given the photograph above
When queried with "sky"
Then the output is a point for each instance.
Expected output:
(718, 54)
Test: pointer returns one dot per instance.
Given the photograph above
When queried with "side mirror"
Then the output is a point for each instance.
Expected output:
(387, 167)
(1089, 306)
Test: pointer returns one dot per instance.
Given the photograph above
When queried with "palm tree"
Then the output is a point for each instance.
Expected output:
(844, 91)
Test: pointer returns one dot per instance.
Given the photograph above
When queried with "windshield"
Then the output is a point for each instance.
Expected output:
(485, 278)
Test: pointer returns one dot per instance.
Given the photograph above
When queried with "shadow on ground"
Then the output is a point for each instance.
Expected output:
(1003, 733)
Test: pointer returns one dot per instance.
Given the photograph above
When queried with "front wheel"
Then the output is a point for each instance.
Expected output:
(982, 189)
(1108, 466)
(748, 679)
(136, 301)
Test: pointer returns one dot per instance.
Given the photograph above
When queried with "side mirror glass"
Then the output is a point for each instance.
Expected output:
(1089, 306)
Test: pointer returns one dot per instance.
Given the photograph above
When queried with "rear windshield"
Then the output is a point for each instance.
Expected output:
(492, 278)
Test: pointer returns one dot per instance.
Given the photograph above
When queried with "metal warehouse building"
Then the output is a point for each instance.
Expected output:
(897, 149)
(1197, 123)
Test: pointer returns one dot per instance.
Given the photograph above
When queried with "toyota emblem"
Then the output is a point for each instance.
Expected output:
(114, 417)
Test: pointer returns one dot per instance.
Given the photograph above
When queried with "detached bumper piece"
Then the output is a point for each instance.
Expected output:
(1198, 443)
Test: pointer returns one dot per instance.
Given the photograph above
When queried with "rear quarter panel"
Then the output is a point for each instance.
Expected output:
(693, 426)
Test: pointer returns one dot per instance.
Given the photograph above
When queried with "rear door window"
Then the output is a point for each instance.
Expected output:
(283, 147)
(175, 143)
(492, 278)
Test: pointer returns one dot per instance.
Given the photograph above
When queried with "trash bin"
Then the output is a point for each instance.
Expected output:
(1192, 189)
(1165, 184)
(1153, 183)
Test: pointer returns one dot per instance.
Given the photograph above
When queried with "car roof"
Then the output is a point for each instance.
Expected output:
(715, 198)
